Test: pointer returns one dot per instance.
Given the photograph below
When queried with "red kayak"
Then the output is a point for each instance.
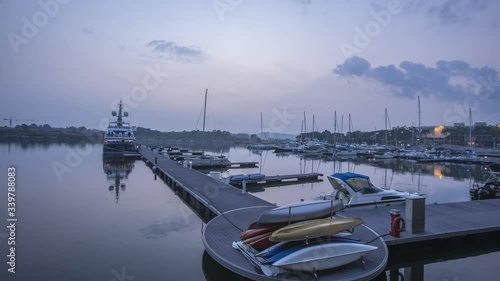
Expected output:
(256, 229)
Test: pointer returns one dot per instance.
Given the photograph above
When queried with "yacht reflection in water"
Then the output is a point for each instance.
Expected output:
(117, 171)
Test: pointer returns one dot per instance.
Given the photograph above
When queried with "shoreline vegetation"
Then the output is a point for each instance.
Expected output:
(482, 136)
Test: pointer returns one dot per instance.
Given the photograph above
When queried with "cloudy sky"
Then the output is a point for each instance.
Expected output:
(67, 63)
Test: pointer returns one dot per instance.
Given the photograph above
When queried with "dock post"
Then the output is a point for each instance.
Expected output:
(244, 187)
(156, 160)
(415, 214)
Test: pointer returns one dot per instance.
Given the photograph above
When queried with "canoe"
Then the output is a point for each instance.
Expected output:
(324, 256)
(257, 176)
(257, 229)
(285, 245)
(262, 243)
(302, 245)
(313, 229)
(254, 238)
(239, 177)
(305, 210)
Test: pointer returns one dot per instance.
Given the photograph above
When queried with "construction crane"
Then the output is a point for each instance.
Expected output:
(16, 119)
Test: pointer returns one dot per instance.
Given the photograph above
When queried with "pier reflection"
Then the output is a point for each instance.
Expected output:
(117, 171)
(411, 262)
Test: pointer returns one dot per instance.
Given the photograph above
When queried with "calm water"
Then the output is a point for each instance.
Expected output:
(76, 221)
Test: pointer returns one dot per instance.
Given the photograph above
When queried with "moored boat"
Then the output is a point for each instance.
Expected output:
(324, 256)
(305, 210)
(357, 190)
(119, 137)
(313, 228)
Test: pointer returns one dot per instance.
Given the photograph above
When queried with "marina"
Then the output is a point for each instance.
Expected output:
(229, 217)
(235, 140)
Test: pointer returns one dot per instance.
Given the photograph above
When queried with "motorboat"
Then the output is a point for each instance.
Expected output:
(357, 190)
(489, 189)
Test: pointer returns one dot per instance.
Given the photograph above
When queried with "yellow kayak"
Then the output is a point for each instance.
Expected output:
(313, 229)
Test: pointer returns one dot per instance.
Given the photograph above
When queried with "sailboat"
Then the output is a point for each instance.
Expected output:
(207, 160)
(384, 153)
(261, 146)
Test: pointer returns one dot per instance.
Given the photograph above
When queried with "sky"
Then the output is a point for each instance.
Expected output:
(68, 63)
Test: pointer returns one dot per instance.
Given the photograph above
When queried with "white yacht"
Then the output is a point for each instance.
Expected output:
(119, 137)
(357, 190)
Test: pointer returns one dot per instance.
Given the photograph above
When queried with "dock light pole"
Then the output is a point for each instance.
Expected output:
(244, 187)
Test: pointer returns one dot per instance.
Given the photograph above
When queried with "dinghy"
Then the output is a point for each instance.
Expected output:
(324, 256)
(313, 229)
(305, 210)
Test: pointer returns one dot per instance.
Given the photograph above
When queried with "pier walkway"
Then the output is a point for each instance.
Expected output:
(215, 195)
(230, 212)
(442, 221)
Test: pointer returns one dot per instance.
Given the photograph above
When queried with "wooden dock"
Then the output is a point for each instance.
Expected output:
(229, 212)
(442, 221)
(209, 194)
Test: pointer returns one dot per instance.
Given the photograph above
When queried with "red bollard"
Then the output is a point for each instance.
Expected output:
(398, 224)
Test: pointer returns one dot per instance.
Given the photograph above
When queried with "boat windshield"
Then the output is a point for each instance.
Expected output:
(362, 185)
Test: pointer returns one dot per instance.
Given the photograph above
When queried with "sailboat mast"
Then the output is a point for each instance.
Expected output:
(350, 123)
(204, 116)
(386, 127)
(342, 128)
(313, 130)
(335, 127)
(305, 126)
(261, 133)
(470, 129)
(302, 132)
(419, 123)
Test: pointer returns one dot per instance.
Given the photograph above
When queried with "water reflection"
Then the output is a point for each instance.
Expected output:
(117, 171)
(444, 259)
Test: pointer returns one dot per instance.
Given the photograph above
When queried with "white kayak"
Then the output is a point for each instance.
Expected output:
(324, 256)
(300, 211)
